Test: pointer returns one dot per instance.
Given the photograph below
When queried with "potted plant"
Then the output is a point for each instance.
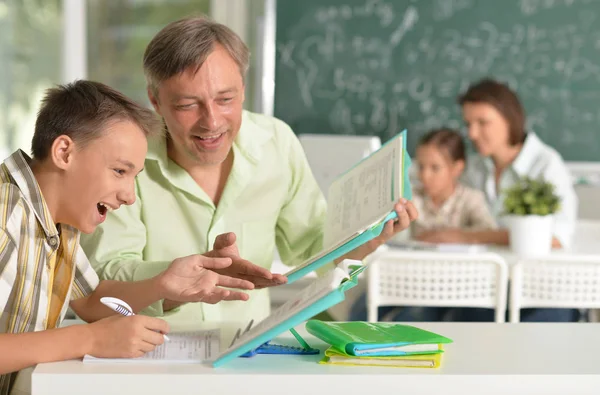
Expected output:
(529, 208)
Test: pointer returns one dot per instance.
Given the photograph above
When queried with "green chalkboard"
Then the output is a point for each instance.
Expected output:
(377, 67)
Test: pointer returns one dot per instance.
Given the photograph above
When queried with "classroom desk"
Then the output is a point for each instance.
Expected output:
(485, 358)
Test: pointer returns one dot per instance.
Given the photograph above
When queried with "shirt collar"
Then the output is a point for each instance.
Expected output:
(248, 149)
(18, 165)
(526, 157)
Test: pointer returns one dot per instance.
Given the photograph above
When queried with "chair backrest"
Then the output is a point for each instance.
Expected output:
(440, 279)
(562, 281)
(587, 199)
(586, 237)
(330, 155)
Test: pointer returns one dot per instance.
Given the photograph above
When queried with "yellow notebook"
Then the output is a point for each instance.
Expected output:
(335, 357)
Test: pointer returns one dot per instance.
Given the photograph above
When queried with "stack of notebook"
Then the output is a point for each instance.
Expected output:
(378, 344)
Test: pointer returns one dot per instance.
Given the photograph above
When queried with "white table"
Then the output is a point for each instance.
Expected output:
(485, 358)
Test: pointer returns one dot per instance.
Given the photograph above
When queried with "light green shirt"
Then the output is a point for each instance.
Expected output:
(270, 198)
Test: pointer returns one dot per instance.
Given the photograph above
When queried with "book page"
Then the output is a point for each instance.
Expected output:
(309, 295)
(319, 255)
(365, 194)
(183, 347)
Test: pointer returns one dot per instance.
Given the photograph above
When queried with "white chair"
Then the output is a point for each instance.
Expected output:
(587, 236)
(437, 279)
(330, 155)
(561, 281)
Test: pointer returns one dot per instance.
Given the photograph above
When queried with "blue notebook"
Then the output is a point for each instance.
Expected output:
(360, 202)
(315, 298)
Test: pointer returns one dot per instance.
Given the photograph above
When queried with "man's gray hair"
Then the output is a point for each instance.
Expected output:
(187, 43)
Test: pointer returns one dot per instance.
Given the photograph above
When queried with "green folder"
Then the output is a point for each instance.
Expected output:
(376, 339)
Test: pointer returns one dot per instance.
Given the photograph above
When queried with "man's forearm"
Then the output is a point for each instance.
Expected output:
(22, 350)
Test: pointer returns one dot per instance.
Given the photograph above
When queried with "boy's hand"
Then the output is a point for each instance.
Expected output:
(126, 337)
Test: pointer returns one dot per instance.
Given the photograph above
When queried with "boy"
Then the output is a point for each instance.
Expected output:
(88, 146)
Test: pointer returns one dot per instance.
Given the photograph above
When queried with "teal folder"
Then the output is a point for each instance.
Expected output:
(297, 310)
(362, 236)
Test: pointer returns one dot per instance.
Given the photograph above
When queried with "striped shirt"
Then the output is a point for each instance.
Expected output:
(42, 266)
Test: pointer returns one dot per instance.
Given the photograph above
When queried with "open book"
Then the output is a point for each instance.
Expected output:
(360, 202)
(183, 347)
(315, 298)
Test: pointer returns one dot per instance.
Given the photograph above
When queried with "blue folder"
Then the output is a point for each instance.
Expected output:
(368, 234)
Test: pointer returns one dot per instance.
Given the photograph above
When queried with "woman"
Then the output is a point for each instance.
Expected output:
(495, 121)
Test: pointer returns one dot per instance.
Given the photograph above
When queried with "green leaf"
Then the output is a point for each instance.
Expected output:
(531, 196)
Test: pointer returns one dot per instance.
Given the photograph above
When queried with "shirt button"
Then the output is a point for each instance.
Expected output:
(52, 241)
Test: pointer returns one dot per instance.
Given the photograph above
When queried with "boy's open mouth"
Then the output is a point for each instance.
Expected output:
(103, 208)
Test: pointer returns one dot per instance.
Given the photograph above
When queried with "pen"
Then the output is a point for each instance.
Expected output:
(120, 307)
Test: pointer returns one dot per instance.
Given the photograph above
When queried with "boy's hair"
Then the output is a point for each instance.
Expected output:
(504, 100)
(187, 43)
(83, 110)
(447, 140)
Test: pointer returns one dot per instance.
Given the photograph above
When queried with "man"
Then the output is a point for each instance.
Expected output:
(220, 169)
(89, 145)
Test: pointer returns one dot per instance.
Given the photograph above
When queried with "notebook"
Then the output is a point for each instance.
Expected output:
(360, 202)
(361, 338)
(335, 357)
(183, 347)
(318, 296)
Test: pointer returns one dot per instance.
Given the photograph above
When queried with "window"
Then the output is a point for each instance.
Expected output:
(120, 30)
(30, 62)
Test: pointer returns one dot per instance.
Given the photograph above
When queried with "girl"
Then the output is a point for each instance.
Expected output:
(442, 201)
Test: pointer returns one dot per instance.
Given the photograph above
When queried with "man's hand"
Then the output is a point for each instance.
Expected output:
(126, 337)
(225, 246)
(406, 212)
(195, 279)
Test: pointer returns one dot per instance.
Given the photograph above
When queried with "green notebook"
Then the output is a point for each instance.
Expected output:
(378, 338)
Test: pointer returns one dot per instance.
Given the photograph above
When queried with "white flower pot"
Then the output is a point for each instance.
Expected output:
(530, 235)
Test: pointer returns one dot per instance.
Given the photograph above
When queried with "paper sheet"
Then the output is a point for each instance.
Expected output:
(306, 297)
(365, 193)
(184, 347)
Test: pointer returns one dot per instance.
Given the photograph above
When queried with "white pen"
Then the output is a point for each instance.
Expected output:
(120, 307)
